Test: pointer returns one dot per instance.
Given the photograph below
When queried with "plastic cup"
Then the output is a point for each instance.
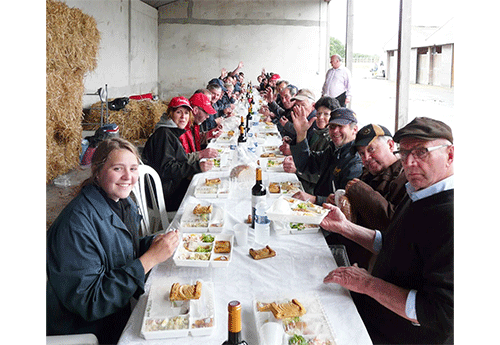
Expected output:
(272, 333)
(241, 234)
(339, 193)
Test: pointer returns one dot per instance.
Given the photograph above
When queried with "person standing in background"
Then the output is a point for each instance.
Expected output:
(338, 82)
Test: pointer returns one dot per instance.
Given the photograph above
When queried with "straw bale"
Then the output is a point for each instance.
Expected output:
(72, 44)
(136, 120)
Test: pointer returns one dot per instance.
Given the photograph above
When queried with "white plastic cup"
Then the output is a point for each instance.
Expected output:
(241, 234)
(339, 193)
(272, 333)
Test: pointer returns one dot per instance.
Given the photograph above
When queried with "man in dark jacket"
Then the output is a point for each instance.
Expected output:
(375, 195)
(408, 297)
(337, 164)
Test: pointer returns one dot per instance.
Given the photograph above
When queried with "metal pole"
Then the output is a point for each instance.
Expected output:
(349, 34)
(403, 64)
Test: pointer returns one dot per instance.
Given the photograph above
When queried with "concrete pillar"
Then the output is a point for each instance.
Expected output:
(403, 67)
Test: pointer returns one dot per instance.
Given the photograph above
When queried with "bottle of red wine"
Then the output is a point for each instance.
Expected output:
(258, 192)
(234, 324)
(242, 138)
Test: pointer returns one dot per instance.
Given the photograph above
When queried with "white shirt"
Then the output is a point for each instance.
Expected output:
(337, 81)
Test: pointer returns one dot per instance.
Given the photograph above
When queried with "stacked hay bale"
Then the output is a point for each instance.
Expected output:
(72, 46)
(136, 120)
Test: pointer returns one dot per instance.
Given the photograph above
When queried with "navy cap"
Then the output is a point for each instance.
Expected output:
(343, 116)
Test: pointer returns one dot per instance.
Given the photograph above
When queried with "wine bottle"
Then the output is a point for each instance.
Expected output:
(258, 193)
(242, 138)
(234, 324)
(249, 117)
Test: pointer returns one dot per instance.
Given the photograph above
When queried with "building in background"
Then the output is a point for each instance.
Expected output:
(432, 55)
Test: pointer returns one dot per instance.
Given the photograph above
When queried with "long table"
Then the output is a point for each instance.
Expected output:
(301, 263)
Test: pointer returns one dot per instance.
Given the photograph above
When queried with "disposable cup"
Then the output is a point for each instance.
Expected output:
(241, 234)
(272, 333)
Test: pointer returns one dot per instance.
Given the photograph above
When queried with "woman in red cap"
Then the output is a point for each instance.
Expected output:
(164, 152)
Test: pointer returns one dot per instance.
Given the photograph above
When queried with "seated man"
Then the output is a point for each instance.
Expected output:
(408, 297)
(335, 165)
(374, 196)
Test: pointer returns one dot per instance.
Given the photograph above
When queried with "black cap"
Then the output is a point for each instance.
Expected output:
(369, 133)
(343, 116)
(426, 129)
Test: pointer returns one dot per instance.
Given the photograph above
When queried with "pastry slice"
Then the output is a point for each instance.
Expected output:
(202, 209)
(263, 253)
(286, 310)
(186, 292)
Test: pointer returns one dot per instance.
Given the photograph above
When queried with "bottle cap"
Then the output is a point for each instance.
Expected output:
(234, 309)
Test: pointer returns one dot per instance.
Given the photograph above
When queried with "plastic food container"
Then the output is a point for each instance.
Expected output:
(203, 250)
(313, 326)
(164, 318)
(210, 222)
(213, 191)
(288, 209)
(277, 188)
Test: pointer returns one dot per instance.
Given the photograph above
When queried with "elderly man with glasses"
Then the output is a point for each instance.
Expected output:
(408, 296)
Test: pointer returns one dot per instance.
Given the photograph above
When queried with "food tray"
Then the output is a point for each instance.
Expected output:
(188, 257)
(222, 162)
(288, 209)
(213, 191)
(313, 326)
(302, 228)
(213, 222)
(272, 149)
(161, 314)
(274, 164)
(285, 187)
(266, 127)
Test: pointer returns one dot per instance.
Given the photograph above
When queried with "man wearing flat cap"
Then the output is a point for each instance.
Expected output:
(374, 196)
(408, 296)
(336, 165)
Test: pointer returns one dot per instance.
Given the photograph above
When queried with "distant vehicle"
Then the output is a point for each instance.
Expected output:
(378, 70)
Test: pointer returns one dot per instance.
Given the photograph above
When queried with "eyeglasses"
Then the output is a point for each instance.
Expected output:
(318, 114)
(419, 153)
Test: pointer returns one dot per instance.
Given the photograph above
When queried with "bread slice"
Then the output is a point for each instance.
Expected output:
(202, 209)
(263, 253)
(285, 310)
(186, 292)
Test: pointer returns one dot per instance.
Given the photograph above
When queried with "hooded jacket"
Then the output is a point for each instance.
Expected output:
(93, 268)
(163, 151)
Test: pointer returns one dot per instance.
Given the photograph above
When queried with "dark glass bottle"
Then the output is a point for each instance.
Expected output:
(234, 324)
(258, 192)
(242, 138)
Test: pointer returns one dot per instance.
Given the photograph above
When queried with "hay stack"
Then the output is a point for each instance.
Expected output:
(136, 120)
(72, 46)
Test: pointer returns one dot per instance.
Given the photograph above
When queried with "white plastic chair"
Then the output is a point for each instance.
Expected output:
(72, 339)
(154, 219)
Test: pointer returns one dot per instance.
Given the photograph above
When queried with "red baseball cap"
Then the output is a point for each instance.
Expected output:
(275, 77)
(201, 100)
(179, 102)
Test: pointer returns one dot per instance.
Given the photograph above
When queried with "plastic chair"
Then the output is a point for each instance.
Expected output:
(154, 219)
(72, 339)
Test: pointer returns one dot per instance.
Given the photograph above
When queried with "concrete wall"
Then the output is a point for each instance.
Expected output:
(128, 55)
(199, 37)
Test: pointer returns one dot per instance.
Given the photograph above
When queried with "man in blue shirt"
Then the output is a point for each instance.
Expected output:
(407, 297)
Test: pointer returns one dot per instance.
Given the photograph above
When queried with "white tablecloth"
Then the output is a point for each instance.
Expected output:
(301, 263)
